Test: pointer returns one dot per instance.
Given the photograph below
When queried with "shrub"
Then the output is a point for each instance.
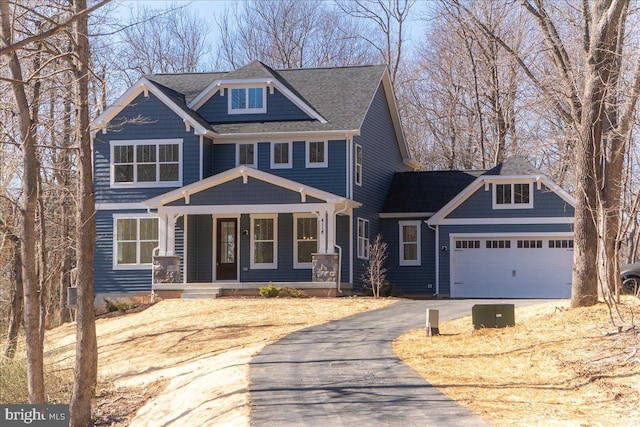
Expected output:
(121, 306)
(13, 381)
(270, 291)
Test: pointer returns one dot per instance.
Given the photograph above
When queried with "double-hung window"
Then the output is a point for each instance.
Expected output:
(358, 164)
(134, 241)
(513, 195)
(363, 238)
(281, 155)
(305, 231)
(317, 154)
(409, 242)
(246, 155)
(247, 100)
(146, 163)
(264, 241)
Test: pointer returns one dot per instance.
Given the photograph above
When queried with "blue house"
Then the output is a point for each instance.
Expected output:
(260, 175)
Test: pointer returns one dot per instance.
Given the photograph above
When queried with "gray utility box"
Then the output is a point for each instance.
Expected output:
(72, 297)
(433, 319)
(493, 315)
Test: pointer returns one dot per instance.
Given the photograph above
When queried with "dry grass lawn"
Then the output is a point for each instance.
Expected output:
(556, 367)
(188, 359)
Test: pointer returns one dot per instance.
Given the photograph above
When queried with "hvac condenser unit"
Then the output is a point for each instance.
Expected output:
(493, 315)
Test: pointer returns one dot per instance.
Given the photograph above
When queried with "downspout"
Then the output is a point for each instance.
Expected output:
(339, 278)
(437, 241)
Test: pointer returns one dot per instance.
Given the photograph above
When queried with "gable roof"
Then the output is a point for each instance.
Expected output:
(246, 172)
(424, 192)
(514, 166)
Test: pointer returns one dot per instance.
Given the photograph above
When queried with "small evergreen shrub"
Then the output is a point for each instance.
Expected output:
(270, 291)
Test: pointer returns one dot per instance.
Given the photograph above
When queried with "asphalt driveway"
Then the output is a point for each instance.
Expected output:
(344, 373)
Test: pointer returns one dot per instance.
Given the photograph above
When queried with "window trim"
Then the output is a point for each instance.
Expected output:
(512, 205)
(358, 169)
(287, 165)
(308, 162)
(365, 239)
(145, 184)
(255, 154)
(296, 216)
(246, 110)
(114, 251)
(264, 266)
(401, 243)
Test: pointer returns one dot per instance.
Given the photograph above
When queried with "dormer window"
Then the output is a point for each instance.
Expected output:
(248, 100)
(513, 195)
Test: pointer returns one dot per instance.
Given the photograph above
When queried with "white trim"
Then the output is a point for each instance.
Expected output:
(245, 209)
(349, 168)
(255, 154)
(218, 85)
(272, 148)
(385, 215)
(185, 252)
(246, 172)
(454, 203)
(366, 239)
(247, 109)
(264, 266)
(143, 86)
(498, 221)
(121, 206)
(437, 252)
(335, 135)
(357, 181)
(351, 251)
(401, 242)
(512, 204)
(296, 216)
(145, 184)
(307, 153)
(114, 247)
(214, 250)
(201, 159)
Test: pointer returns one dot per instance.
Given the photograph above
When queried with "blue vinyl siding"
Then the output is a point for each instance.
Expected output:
(342, 239)
(546, 203)
(199, 248)
(207, 158)
(381, 158)
(215, 110)
(105, 278)
(446, 230)
(163, 124)
(410, 280)
(224, 157)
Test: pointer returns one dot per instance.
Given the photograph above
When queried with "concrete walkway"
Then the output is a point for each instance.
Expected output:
(344, 373)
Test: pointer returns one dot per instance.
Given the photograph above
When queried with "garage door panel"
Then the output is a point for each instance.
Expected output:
(535, 272)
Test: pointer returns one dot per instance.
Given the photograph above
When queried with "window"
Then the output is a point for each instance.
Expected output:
(305, 233)
(146, 163)
(134, 241)
(363, 238)
(280, 155)
(358, 164)
(409, 242)
(264, 250)
(513, 196)
(316, 154)
(529, 244)
(467, 244)
(498, 244)
(250, 100)
(246, 155)
(561, 244)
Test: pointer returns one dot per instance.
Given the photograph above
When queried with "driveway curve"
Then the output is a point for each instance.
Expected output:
(344, 373)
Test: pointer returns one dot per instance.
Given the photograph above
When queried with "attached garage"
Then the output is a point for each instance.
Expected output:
(511, 266)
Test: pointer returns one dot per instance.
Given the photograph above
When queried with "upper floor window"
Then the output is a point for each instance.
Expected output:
(246, 155)
(280, 155)
(146, 163)
(363, 238)
(249, 100)
(316, 154)
(409, 242)
(513, 196)
(135, 237)
(358, 164)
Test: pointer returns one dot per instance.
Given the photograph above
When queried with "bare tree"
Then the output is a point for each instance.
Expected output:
(375, 273)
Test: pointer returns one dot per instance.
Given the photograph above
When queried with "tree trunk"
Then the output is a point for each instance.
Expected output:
(86, 366)
(17, 300)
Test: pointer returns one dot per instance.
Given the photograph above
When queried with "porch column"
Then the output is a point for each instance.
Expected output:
(162, 234)
(166, 234)
(171, 234)
(331, 231)
(322, 232)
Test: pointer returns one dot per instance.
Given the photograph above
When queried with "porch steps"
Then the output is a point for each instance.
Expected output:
(200, 293)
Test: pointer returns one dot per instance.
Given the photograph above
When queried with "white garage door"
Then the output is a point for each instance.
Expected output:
(512, 267)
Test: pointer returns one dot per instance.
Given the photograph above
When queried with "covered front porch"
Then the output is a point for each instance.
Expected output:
(238, 231)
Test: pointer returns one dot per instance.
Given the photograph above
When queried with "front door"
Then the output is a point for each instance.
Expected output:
(227, 249)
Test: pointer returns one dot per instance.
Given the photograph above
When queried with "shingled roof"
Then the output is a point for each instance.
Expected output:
(341, 95)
